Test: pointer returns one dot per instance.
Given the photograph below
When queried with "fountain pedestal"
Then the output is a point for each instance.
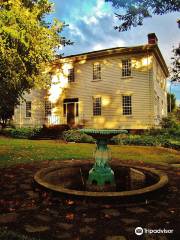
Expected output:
(101, 173)
(101, 176)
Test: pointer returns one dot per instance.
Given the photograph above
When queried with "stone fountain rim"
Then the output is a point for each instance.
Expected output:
(163, 180)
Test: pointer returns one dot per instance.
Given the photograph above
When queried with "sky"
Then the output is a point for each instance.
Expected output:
(91, 27)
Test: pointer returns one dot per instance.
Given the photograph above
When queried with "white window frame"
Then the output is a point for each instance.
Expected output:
(47, 108)
(127, 105)
(28, 109)
(96, 71)
(126, 68)
(71, 76)
(97, 106)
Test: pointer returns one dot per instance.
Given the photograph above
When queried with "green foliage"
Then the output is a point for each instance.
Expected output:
(141, 140)
(172, 144)
(155, 137)
(137, 10)
(168, 122)
(175, 74)
(53, 132)
(167, 136)
(177, 115)
(156, 132)
(76, 136)
(27, 44)
(20, 132)
(171, 102)
(10, 235)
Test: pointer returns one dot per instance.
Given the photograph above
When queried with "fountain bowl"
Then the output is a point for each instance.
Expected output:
(69, 179)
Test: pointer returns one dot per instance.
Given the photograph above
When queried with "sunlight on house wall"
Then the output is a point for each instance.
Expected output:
(104, 123)
(82, 61)
(59, 82)
(107, 62)
(110, 124)
(106, 101)
(146, 61)
(99, 121)
(143, 62)
(55, 89)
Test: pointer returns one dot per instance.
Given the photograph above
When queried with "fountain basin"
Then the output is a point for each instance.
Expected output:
(71, 180)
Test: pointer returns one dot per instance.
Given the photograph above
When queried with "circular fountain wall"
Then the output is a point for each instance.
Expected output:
(71, 179)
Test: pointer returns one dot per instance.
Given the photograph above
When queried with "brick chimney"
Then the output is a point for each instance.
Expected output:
(152, 39)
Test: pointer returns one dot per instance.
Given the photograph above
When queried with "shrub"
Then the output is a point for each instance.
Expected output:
(17, 132)
(119, 139)
(172, 144)
(35, 133)
(168, 122)
(6, 132)
(142, 140)
(76, 136)
(157, 131)
(53, 131)
(174, 132)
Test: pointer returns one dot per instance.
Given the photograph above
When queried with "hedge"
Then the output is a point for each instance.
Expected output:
(53, 132)
(147, 140)
(76, 136)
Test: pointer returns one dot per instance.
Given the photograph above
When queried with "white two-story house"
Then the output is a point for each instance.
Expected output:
(122, 87)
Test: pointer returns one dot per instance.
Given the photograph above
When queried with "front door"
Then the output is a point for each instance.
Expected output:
(70, 114)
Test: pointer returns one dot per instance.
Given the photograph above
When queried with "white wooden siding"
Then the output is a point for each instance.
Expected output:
(159, 89)
(110, 88)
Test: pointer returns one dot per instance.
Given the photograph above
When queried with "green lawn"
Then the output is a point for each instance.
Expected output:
(13, 151)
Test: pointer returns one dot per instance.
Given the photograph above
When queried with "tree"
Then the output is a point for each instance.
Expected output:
(175, 76)
(134, 11)
(171, 102)
(27, 44)
(175, 72)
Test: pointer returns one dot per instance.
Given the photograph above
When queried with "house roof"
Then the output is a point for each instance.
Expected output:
(148, 48)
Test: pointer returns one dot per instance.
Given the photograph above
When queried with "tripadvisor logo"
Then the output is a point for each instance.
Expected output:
(139, 231)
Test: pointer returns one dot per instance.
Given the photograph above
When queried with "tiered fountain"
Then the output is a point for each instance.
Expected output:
(79, 178)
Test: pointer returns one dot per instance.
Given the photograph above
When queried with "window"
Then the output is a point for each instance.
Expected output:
(71, 75)
(96, 71)
(64, 109)
(28, 109)
(48, 108)
(77, 109)
(97, 106)
(127, 105)
(126, 68)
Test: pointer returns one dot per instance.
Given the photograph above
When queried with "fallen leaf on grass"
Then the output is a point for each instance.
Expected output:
(69, 202)
(107, 216)
(70, 216)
